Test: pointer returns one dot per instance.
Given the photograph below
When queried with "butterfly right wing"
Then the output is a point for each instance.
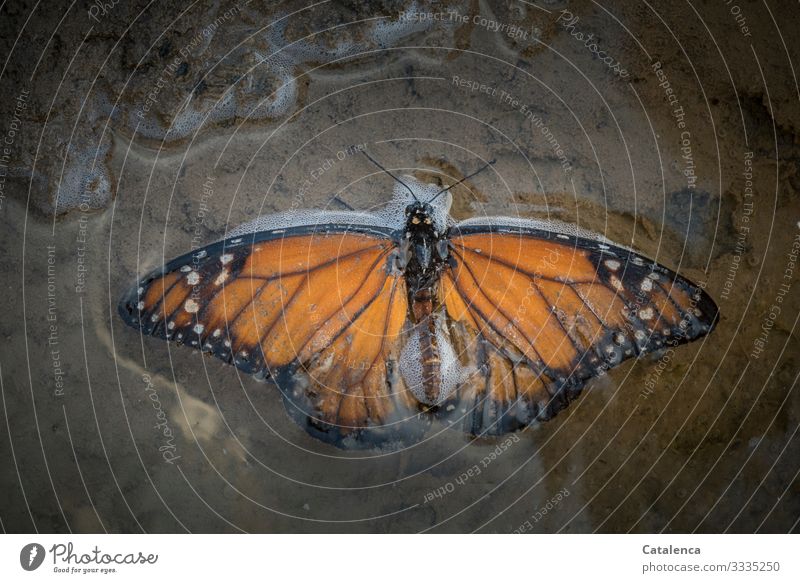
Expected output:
(537, 313)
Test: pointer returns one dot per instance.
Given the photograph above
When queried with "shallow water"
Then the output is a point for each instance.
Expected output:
(111, 431)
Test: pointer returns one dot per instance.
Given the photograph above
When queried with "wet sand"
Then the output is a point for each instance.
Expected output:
(690, 157)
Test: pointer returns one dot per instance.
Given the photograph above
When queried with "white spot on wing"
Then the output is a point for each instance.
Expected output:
(226, 258)
(191, 306)
(223, 275)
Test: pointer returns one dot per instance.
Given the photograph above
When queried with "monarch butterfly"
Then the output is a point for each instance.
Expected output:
(371, 323)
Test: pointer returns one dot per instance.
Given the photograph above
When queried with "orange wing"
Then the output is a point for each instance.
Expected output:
(539, 313)
(322, 310)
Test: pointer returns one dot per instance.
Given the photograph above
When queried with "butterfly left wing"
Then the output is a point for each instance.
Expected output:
(537, 313)
(320, 309)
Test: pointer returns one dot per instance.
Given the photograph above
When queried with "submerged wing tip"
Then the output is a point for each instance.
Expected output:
(370, 437)
(398, 430)
(703, 314)
(493, 418)
(128, 308)
(710, 308)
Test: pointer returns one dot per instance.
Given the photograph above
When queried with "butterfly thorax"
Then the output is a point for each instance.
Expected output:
(425, 248)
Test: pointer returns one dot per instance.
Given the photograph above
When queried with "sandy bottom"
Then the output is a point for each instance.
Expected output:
(105, 430)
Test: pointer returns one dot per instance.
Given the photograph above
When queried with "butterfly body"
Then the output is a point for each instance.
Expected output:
(428, 255)
(372, 323)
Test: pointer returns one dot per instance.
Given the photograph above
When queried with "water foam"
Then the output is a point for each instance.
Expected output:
(451, 372)
(391, 216)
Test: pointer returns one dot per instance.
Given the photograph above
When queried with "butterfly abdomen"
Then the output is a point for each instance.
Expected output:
(422, 308)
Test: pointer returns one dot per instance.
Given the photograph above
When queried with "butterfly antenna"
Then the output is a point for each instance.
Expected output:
(371, 159)
(478, 171)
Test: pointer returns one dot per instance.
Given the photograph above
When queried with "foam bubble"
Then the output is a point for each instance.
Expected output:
(86, 182)
(411, 366)
(391, 216)
(451, 372)
(552, 225)
(269, 65)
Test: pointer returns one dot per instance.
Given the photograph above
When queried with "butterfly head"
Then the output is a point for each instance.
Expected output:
(419, 216)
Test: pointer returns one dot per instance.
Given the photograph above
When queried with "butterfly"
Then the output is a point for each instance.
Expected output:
(371, 324)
